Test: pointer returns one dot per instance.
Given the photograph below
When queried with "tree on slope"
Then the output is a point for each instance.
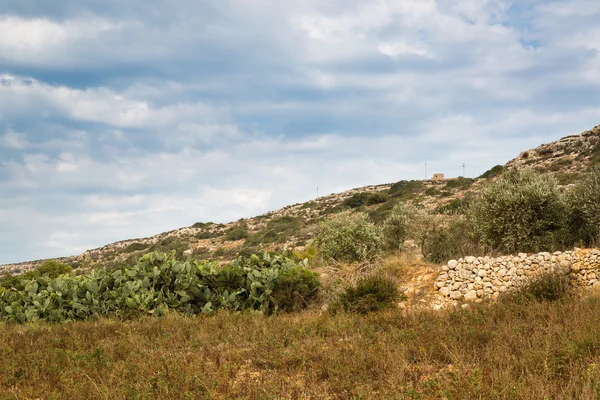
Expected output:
(522, 210)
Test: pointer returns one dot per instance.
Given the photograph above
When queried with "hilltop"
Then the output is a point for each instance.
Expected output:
(291, 227)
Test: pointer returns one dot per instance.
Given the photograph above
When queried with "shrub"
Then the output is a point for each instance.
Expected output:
(202, 225)
(396, 226)
(206, 235)
(455, 206)
(49, 268)
(584, 215)
(237, 232)
(432, 191)
(451, 238)
(220, 252)
(349, 237)
(169, 244)
(52, 268)
(548, 287)
(135, 246)
(521, 211)
(494, 171)
(370, 294)
(405, 189)
(296, 288)
(459, 183)
(276, 231)
(365, 199)
(383, 211)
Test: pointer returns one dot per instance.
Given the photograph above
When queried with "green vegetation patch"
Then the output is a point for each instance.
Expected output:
(169, 244)
(493, 172)
(156, 284)
(370, 294)
(278, 230)
(406, 190)
(51, 268)
(365, 199)
(237, 232)
(459, 183)
(135, 246)
(348, 238)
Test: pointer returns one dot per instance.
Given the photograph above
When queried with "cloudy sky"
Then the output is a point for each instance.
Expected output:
(126, 118)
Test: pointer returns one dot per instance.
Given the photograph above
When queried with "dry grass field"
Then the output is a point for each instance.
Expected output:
(505, 350)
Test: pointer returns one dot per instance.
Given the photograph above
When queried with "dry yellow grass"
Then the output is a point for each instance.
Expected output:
(502, 351)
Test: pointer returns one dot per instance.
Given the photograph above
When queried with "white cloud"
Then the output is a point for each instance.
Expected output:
(14, 140)
(396, 49)
(44, 40)
(19, 95)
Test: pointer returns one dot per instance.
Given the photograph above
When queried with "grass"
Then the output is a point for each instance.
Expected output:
(503, 351)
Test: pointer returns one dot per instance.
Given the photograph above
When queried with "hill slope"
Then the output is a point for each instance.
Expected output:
(291, 227)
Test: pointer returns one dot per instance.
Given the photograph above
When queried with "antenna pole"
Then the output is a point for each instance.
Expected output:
(464, 165)
(317, 192)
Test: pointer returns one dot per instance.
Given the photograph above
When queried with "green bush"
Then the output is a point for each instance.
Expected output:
(432, 191)
(452, 238)
(370, 294)
(406, 190)
(455, 206)
(349, 237)
(584, 215)
(202, 225)
(49, 268)
(169, 244)
(521, 211)
(395, 228)
(296, 288)
(379, 215)
(459, 183)
(237, 232)
(276, 231)
(135, 246)
(156, 284)
(548, 287)
(493, 172)
(365, 199)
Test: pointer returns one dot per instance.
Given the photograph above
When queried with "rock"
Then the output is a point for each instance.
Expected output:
(445, 291)
(455, 295)
(471, 295)
(465, 274)
(452, 264)
(482, 273)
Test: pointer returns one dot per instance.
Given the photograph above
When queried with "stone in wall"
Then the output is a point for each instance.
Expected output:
(478, 278)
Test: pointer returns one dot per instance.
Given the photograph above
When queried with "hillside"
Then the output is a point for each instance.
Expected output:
(291, 227)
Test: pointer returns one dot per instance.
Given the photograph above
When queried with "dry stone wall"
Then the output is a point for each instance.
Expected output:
(478, 278)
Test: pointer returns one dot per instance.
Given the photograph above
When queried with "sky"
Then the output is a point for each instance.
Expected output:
(124, 119)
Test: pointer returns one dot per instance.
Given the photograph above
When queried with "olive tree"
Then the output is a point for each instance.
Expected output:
(584, 216)
(522, 210)
(348, 238)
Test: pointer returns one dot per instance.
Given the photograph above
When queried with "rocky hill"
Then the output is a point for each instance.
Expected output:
(567, 157)
(291, 227)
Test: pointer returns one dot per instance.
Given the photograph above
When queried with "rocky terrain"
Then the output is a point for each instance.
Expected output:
(291, 227)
